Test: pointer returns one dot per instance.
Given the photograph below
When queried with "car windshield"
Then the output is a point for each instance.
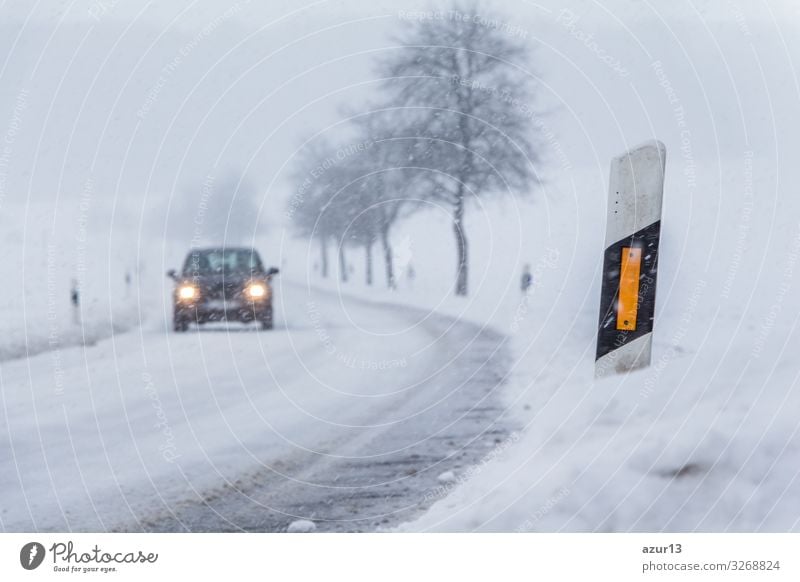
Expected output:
(222, 261)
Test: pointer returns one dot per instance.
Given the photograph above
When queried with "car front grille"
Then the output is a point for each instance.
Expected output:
(222, 291)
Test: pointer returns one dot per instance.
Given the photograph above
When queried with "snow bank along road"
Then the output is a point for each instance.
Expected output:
(354, 415)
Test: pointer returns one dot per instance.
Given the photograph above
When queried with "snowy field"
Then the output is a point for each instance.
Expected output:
(705, 439)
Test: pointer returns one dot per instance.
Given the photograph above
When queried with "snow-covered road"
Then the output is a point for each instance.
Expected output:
(345, 414)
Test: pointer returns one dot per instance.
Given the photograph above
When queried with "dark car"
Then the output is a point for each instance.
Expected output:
(222, 284)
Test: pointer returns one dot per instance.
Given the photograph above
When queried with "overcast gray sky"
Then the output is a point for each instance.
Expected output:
(152, 98)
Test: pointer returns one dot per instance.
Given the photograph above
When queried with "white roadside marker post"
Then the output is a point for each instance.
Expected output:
(630, 263)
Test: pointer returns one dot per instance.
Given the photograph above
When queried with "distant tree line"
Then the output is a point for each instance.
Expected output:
(453, 121)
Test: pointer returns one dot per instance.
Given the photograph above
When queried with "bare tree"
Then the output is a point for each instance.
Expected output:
(460, 89)
(342, 263)
(385, 181)
(330, 202)
(362, 230)
(309, 208)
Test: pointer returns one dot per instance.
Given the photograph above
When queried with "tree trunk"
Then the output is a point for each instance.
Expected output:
(461, 243)
(368, 248)
(323, 249)
(342, 264)
(388, 259)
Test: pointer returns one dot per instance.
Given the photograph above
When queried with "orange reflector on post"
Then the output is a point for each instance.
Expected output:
(628, 304)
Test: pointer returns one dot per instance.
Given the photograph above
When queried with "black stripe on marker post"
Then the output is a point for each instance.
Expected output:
(609, 337)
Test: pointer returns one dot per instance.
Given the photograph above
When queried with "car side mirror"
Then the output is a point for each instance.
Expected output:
(171, 274)
(272, 271)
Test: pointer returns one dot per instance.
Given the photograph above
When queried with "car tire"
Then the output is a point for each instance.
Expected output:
(266, 320)
(180, 324)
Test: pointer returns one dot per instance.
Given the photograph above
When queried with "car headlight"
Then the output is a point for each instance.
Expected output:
(187, 292)
(256, 291)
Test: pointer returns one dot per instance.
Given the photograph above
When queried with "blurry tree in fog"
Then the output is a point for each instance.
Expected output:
(464, 93)
(216, 211)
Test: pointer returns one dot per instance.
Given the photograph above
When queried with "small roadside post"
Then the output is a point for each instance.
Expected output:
(630, 261)
(75, 301)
